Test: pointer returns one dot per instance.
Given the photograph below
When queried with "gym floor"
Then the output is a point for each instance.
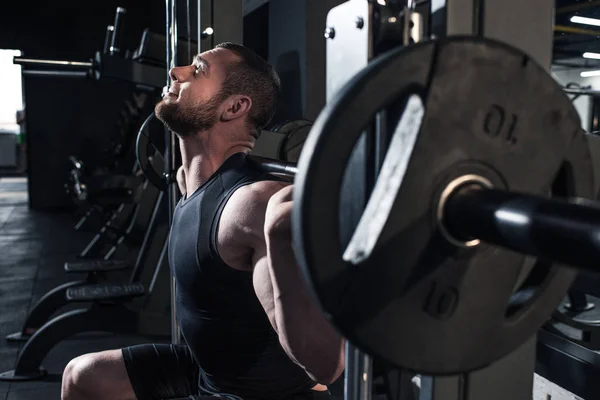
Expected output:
(33, 249)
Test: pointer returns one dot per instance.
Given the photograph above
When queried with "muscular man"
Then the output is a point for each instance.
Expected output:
(252, 329)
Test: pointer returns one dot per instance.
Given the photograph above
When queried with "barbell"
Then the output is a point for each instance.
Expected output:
(486, 167)
(481, 170)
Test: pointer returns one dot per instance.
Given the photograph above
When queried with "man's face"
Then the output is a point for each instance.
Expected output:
(194, 100)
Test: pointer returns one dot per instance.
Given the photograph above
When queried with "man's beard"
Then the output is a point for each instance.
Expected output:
(187, 119)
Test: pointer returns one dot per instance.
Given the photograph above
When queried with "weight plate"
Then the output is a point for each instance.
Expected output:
(295, 133)
(581, 327)
(400, 291)
(147, 152)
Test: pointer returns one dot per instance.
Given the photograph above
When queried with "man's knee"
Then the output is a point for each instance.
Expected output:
(81, 378)
(96, 376)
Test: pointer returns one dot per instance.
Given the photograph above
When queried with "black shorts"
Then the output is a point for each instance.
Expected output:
(161, 371)
(167, 372)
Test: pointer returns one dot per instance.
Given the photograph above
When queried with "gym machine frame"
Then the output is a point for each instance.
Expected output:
(351, 43)
(111, 62)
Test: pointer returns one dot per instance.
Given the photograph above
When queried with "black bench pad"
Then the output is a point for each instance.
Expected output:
(108, 291)
(96, 265)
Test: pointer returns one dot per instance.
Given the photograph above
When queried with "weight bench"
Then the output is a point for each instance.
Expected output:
(140, 306)
(98, 271)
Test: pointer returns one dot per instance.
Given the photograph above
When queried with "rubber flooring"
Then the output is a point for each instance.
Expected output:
(33, 249)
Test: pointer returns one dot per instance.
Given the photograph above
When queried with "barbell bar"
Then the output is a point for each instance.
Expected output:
(565, 230)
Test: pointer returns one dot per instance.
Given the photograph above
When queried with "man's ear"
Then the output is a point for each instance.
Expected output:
(236, 106)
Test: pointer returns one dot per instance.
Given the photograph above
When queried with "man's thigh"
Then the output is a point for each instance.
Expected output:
(161, 371)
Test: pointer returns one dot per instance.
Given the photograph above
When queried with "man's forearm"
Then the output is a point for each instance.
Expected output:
(304, 332)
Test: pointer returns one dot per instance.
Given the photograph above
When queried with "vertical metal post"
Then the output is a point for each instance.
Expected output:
(199, 26)
(348, 49)
(173, 142)
(171, 149)
(188, 31)
(408, 12)
(359, 369)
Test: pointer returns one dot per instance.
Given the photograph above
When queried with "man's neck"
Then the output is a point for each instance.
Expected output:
(204, 153)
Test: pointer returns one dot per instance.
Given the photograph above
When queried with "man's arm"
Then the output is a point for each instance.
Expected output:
(256, 220)
(306, 335)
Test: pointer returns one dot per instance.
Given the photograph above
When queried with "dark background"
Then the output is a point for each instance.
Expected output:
(66, 116)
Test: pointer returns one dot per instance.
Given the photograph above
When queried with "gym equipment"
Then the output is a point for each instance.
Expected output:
(286, 171)
(570, 365)
(350, 47)
(470, 124)
(113, 62)
(294, 134)
(577, 320)
(442, 197)
(128, 225)
(138, 306)
(282, 141)
(112, 178)
(146, 144)
(105, 259)
(103, 190)
(112, 267)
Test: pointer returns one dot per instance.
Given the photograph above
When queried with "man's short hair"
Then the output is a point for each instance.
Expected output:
(254, 77)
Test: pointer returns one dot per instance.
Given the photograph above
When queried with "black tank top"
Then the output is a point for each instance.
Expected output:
(218, 311)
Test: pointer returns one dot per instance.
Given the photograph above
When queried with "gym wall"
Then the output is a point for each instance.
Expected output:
(297, 50)
(583, 105)
(68, 116)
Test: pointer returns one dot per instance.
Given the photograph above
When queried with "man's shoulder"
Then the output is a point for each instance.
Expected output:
(258, 193)
(247, 204)
(241, 225)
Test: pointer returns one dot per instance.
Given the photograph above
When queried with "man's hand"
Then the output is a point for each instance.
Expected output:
(278, 215)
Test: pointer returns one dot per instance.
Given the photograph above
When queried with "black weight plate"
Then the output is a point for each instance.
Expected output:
(475, 106)
(295, 133)
(581, 327)
(146, 150)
